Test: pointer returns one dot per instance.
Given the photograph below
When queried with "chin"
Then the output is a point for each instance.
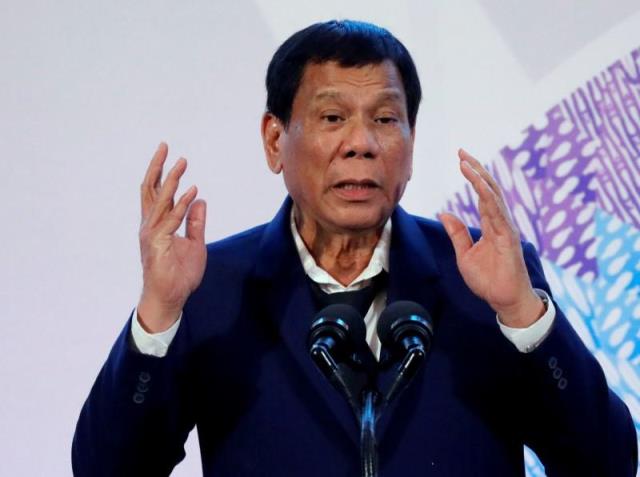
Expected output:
(360, 219)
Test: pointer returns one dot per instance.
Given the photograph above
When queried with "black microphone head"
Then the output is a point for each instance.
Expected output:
(341, 322)
(402, 319)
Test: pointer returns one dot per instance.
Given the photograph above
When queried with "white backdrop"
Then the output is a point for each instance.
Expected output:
(88, 89)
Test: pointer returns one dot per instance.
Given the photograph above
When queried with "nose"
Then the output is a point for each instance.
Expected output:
(360, 141)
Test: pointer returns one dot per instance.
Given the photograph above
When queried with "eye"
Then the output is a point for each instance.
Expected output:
(386, 120)
(332, 118)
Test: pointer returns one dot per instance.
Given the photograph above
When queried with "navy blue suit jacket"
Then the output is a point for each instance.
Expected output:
(239, 369)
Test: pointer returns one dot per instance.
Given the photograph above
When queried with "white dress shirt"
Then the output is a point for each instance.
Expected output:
(524, 339)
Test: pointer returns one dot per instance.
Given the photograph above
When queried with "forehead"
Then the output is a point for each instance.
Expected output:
(329, 80)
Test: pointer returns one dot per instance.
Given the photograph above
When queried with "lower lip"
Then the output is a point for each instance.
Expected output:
(355, 194)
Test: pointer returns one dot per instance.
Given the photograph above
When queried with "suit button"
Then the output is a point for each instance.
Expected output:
(557, 373)
(144, 377)
(553, 362)
(138, 398)
(562, 384)
(142, 387)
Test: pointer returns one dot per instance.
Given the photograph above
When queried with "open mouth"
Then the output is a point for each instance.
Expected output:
(356, 185)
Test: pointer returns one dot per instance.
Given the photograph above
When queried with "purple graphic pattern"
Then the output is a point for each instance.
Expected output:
(585, 156)
(573, 186)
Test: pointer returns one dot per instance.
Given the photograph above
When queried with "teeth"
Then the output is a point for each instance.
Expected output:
(354, 186)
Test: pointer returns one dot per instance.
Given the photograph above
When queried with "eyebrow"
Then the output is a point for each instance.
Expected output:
(390, 95)
(386, 95)
(327, 95)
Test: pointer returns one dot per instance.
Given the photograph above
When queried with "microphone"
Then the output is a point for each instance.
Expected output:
(406, 329)
(337, 344)
(335, 341)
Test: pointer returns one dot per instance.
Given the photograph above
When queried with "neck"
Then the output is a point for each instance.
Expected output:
(344, 255)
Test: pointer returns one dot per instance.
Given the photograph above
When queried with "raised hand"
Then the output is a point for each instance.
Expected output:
(172, 265)
(493, 267)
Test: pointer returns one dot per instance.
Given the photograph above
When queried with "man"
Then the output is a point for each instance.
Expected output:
(218, 337)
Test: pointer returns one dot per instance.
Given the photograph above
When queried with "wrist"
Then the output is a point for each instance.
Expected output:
(524, 313)
(155, 316)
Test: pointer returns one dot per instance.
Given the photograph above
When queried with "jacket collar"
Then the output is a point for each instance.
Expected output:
(286, 299)
(410, 254)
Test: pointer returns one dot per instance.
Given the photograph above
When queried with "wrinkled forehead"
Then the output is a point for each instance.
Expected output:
(330, 81)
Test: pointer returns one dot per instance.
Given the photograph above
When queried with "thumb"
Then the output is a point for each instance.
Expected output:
(458, 233)
(196, 221)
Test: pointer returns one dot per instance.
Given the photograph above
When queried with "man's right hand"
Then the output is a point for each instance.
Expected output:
(172, 266)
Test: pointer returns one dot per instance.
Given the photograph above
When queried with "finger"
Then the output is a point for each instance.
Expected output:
(196, 221)
(478, 183)
(480, 169)
(476, 167)
(152, 177)
(175, 217)
(489, 204)
(487, 228)
(159, 158)
(487, 177)
(164, 201)
(458, 233)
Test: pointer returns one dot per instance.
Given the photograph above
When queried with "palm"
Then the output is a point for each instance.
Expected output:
(487, 268)
(173, 266)
(180, 265)
(493, 267)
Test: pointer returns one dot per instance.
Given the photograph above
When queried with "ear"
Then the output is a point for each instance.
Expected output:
(272, 130)
(413, 139)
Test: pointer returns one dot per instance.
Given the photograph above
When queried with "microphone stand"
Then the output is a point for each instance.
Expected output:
(338, 348)
(368, 447)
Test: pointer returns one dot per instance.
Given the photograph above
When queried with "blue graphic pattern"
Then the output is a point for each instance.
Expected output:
(573, 186)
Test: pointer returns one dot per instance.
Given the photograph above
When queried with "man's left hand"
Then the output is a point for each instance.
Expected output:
(493, 267)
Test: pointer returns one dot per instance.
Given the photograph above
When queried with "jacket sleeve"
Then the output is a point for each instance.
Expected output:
(574, 422)
(137, 416)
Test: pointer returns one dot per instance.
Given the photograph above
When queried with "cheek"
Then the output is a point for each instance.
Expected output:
(315, 159)
(303, 169)
(400, 159)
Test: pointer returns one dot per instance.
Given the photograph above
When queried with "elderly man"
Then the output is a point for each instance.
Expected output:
(218, 337)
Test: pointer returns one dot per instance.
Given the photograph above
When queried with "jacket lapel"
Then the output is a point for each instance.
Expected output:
(412, 263)
(286, 293)
(414, 276)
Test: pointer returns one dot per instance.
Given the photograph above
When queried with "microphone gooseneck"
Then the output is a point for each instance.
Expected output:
(334, 339)
(338, 347)
(406, 329)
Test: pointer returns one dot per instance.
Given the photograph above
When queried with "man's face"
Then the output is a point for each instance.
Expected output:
(346, 155)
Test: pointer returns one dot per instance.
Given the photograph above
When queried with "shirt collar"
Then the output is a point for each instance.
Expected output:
(379, 262)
